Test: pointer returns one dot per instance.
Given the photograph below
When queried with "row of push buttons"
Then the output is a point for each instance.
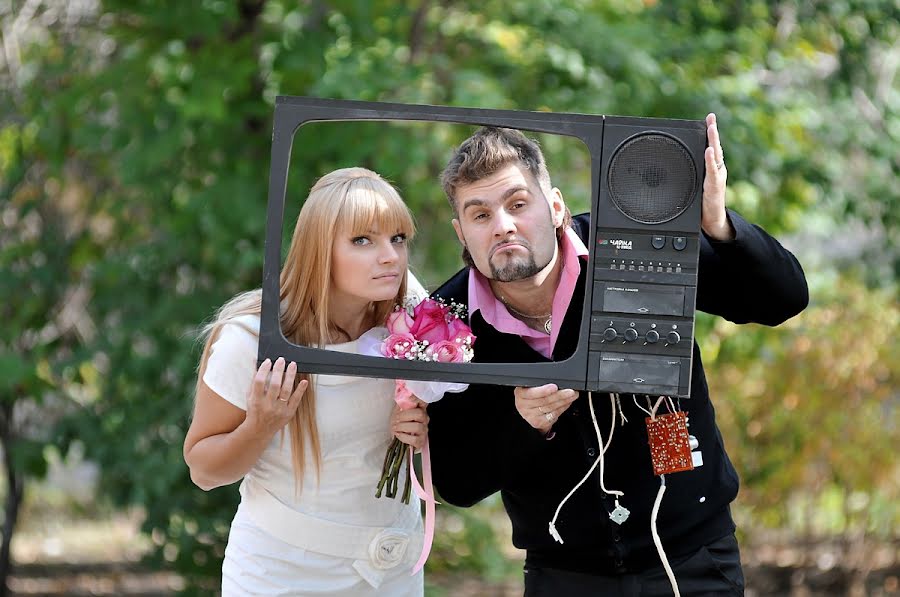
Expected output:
(659, 267)
(678, 242)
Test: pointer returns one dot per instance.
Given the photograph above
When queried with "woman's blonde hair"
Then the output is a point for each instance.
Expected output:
(348, 201)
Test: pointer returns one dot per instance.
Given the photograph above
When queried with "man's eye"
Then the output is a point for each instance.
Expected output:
(480, 216)
(518, 204)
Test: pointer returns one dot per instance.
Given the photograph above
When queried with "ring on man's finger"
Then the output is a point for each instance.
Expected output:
(719, 165)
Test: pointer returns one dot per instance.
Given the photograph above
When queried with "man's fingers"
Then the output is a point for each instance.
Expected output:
(558, 396)
(536, 392)
(559, 402)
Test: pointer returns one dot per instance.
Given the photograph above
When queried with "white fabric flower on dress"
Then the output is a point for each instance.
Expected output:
(388, 548)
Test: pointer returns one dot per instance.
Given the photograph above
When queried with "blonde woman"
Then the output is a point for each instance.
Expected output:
(310, 448)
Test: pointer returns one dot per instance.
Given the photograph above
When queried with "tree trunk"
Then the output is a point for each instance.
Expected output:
(15, 482)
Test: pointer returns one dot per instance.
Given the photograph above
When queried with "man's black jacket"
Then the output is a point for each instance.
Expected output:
(480, 444)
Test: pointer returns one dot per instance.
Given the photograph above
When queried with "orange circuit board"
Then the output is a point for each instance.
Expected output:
(670, 447)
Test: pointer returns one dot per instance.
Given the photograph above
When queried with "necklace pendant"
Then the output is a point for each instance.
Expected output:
(548, 325)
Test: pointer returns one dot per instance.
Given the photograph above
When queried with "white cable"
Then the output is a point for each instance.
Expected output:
(612, 429)
(649, 414)
(671, 404)
(621, 410)
(657, 541)
(553, 532)
(655, 406)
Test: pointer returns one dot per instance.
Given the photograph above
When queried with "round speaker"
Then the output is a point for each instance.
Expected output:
(652, 178)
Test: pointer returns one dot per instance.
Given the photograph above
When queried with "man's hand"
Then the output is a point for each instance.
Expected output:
(714, 219)
(542, 406)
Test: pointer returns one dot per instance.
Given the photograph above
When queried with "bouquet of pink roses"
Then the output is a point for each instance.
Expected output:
(434, 331)
(431, 331)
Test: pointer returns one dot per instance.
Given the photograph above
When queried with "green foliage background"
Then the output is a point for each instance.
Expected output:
(134, 149)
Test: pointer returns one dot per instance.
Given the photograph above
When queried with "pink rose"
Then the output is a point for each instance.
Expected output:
(458, 331)
(430, 321)
(446, 351)
(403, 396)
(399, 346)
(399, 322)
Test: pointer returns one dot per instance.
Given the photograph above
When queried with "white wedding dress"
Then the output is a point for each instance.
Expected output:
(333, 536)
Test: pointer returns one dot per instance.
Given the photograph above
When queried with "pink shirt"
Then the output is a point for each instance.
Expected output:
(494, 312)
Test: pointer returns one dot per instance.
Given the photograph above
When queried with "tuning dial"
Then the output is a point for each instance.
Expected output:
(652, 337)
(609, 334)
(673, 338)
(631, 335)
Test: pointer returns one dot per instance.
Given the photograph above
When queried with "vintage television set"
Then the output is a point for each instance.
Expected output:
(637, 318)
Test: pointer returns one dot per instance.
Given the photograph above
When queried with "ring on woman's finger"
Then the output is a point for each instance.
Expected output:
(280, 399)
(549, 416)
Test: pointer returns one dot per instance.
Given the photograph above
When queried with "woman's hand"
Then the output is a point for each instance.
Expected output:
(273, 399)
(410, 426)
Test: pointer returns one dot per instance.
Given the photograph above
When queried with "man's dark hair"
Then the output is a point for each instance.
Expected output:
(488, 150)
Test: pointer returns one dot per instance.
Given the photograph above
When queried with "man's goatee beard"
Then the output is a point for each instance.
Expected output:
(517, 270)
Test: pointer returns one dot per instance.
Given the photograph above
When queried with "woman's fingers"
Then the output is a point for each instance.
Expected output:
(287, 384)
(298, 393)
(410, 426)
(261, 377)
(274, 388)
(416, 441)
(415, 415)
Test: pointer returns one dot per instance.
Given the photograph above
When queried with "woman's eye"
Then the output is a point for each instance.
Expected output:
(398, 238)
(361, 240)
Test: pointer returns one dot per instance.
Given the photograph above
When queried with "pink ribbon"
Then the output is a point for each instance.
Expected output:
(426, 495)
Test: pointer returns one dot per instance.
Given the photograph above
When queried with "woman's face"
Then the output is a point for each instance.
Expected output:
(367, 267)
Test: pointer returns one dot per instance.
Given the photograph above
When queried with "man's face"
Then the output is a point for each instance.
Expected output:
(508, 224)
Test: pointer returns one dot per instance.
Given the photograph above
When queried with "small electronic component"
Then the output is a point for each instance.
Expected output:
(670, 447)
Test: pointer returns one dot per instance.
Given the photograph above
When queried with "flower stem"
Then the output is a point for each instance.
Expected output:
(407, 484)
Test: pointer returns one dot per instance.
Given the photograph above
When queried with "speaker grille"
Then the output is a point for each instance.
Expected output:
(652, 178)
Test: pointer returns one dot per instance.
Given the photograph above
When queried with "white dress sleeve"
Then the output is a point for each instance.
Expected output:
(232, 362)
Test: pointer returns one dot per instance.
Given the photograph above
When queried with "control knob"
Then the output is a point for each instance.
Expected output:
(631, 335)
(609, 334)
(652, 337)
(673, 338)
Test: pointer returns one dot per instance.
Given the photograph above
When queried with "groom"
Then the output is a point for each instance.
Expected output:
(524, 288)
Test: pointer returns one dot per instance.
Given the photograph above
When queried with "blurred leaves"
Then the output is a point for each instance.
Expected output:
(134, 152)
